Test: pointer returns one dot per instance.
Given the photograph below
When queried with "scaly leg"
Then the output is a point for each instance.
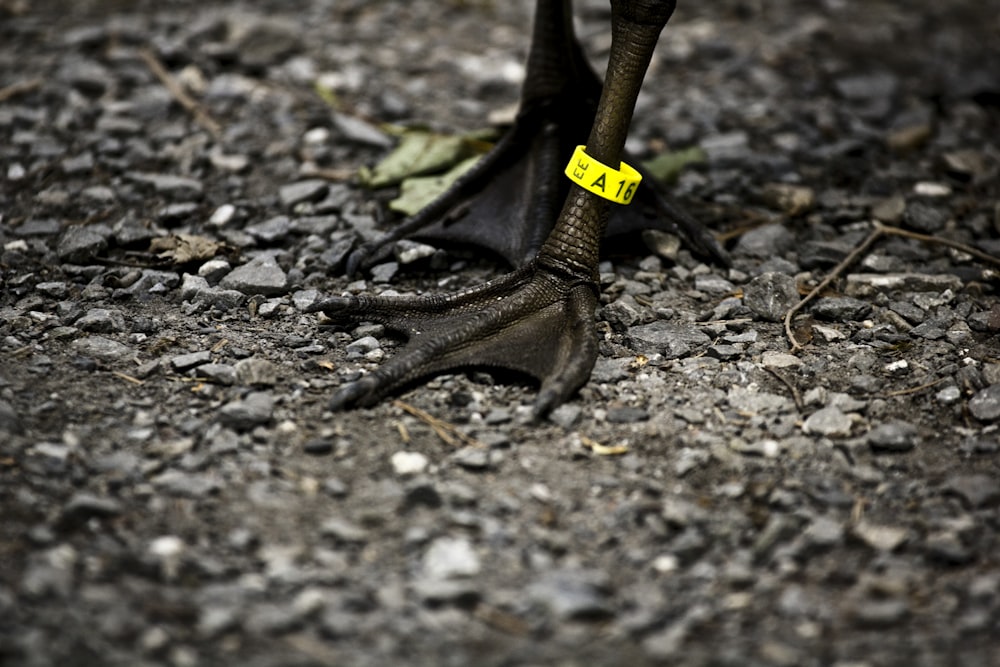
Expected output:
(538, 320)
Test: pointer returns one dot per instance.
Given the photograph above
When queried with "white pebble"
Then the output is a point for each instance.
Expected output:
(409, 463)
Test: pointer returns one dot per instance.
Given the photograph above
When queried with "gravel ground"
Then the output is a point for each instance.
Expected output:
(175, 493)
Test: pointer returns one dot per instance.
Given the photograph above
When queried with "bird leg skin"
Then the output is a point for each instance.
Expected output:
(539, 319)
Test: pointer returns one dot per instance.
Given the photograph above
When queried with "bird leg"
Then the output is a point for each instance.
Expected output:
(509, 201)
(539, 319)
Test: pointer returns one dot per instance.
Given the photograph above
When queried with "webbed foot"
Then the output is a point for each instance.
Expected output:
(536, 321)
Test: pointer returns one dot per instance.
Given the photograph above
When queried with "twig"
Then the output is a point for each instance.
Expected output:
(914, 390)
(501, 620)
(937, 240)
(878, 232)
(177, 91)
(447, 432)
(19, 88)
(127, 378)
(791, 388)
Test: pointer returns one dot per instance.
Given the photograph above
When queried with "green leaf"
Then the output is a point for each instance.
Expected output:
(419, 153)
(666, 167)
(417, 192)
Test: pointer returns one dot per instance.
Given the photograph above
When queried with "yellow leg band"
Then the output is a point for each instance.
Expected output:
(618, 185)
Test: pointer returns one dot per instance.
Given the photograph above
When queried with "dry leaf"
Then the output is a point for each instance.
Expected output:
(185, 248)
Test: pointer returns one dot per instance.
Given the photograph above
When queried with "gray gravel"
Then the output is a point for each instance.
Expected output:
(175, 492)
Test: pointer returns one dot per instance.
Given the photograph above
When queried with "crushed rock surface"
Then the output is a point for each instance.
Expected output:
(175, 492)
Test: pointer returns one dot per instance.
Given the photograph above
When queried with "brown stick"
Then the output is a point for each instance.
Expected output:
(878, 232)
(19, 88)
(447, 432)
(177, 91)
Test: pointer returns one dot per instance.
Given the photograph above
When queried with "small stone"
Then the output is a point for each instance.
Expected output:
(189, 485)
(449, 558)
(893, 436)
(408, 252)
(780, 360)
(84, 506)
(311, 190)
(770, 295)
(359, 131)
(223, 374)
(976, 490)
(385, 272)
(868, 284)
(931, 189)
(88, 76)
(101, 320)
(949, 395)
(421, 493)
(663, 244)
(409, 463)
(924, 217)
(258, 276)
(222, 215)
(271, 619)
(184, 362)
(215, 620)
(985, 404)
(824, 533)
(55, 290)
(946, 547)
(262, 41)
(343, 531)
(879, 537)
(890, 210)
(626, 415)
(766, 241)
(573, 595)
(242, 415)
(726, 146)
(101, 348)
(829, 421)
(623, 312)
(214, 270)
(303, 299)
(362, 346)
(80, 244)
(841, 309)
(880, 613)
(271, 231)
(710, 284)
(667, 338)
(791, 199)
(168, 551)
(473, 458)
(318, 446)
(173, 186)
(256, 372)
(436, 592)
(10, 422)
(566, 415)
(51, 572)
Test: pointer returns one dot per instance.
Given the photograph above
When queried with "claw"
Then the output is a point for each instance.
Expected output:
(332, 306)
(354, 394)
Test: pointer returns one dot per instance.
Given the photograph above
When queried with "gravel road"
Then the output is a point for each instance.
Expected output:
(178, 185)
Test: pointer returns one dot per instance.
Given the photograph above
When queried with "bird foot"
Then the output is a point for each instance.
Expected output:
(536, 321)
